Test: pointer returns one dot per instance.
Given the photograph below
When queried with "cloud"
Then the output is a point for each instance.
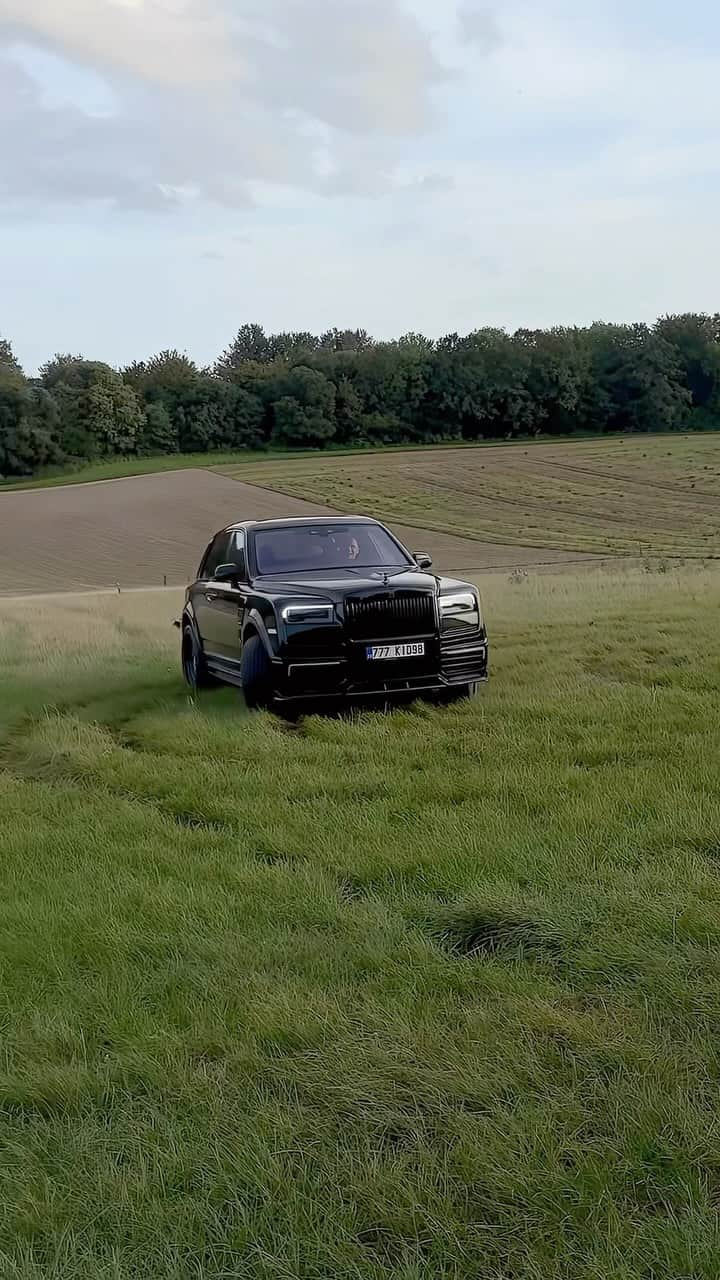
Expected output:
(364, 66)
(479, 26)
(567, 168)
(563, 74)
(165, 41)
(210, 96)
(436, 183)
(141, 159)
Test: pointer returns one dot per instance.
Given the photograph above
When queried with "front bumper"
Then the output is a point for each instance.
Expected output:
(447, 664)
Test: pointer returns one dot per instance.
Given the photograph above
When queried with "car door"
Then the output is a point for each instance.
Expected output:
(230, 601)
(207, 597)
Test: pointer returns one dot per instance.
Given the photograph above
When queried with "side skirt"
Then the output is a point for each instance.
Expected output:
(224, 669)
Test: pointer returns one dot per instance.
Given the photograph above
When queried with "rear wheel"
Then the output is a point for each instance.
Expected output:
(255, 673)
(194, 665)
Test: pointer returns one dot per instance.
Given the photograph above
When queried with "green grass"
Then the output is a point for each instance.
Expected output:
(429, 996)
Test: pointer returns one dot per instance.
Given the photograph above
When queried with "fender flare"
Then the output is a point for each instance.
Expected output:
(255, 622)
(189, 620)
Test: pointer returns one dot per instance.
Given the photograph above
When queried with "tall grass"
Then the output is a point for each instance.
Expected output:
(432, 994)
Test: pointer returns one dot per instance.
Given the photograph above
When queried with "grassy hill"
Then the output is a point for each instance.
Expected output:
(425, 996)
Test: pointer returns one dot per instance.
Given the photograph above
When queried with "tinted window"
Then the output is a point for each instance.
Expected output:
(216, 555)
(347, 546)
(236, 552)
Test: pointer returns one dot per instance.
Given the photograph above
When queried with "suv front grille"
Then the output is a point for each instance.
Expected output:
(390, 617)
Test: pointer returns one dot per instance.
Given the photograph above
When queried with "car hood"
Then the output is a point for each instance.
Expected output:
(342, 582)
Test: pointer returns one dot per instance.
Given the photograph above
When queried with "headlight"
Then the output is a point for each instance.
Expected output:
(315, 613)
(460, 611)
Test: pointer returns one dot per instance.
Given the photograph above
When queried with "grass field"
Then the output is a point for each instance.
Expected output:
(429, 996)
(656, 495)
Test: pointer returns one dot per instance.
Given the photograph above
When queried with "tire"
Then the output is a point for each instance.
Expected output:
(255, 674)
(194, 665)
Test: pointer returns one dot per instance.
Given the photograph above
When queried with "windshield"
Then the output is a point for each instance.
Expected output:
(314, 548)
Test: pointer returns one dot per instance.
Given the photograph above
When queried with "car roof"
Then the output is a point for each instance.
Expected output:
(299, 522)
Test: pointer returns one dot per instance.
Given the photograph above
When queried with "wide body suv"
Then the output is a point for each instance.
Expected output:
(301, 610)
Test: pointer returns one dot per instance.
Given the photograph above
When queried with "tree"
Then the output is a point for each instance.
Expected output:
(345, 340)
(297, 388)
(165, 376)
(8, 360)
(554, 379)
(656, 396)
(305, 413)
(100, 415)
(218, 415)
(695, 340)
(393, 381)
(417, 342)
(348, 411)
(159, 434)
(634, 381)
(380, 428)
(292, 348)
(55, 370)
(162, 384)
(479, 387)
(28, 426)
(251, 343)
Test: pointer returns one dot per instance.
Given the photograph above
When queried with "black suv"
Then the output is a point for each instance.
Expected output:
(292, 610)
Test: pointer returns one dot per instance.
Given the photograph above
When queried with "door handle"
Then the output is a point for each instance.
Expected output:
(233, 597)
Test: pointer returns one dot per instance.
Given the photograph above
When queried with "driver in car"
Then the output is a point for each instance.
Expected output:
(346, 549)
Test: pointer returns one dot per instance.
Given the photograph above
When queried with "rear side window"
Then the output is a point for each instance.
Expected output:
(216, 554)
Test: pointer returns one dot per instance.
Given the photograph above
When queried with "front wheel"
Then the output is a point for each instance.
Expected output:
(255, 673)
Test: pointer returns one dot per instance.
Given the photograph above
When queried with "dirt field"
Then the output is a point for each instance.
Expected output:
(141, 531)
(655, 495)
(135, 532)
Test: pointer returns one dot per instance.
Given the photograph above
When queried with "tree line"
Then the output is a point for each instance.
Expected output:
(301, 390)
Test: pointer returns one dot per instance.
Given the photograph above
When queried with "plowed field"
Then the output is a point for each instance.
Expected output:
(656, 495)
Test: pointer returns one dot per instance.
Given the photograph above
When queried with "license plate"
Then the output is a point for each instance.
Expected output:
(381, 652)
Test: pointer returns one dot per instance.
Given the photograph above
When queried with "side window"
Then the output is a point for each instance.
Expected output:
(217, 554)
(236, 553)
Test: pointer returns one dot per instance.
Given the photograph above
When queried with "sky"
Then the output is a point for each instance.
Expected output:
(171, 169)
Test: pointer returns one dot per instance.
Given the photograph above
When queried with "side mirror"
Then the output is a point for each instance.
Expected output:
(423, 560)
(228, 572)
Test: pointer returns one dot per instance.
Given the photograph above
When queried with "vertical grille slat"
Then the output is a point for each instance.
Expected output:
(391, 616)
